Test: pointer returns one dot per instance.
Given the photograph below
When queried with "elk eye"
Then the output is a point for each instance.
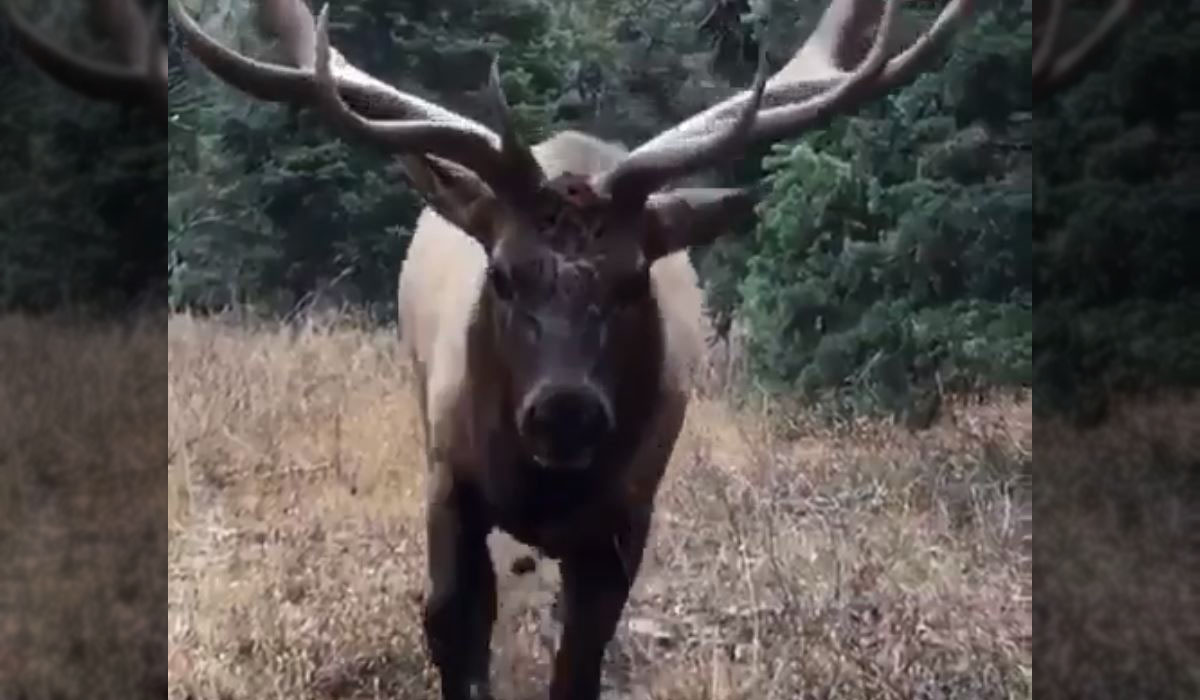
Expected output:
(501, 283)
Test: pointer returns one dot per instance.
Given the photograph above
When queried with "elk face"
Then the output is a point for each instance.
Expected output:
(560, 325)
(568, 301)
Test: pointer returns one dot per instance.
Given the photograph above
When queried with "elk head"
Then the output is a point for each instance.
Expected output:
(138, 79)
(569, 299)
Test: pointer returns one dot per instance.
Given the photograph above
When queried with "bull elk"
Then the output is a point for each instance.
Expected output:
(550, 310)
(138, 78)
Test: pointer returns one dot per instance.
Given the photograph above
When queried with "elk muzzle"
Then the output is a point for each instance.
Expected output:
(563, 424)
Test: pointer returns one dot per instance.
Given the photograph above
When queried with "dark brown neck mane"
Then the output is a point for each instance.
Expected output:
(530, 501)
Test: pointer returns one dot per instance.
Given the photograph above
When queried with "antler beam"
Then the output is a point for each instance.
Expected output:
(140, 78)
(833, 72)
(812, 87)
(361, 104)
(1053, 68)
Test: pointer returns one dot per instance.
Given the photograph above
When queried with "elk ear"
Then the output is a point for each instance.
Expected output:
(457, 194)
(691, 216)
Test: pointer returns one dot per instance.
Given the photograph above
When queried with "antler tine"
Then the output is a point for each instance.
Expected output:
(638, 175)
(449, 141)
(1053, 72)
(805, 93)
(1046, 35)
(141, 77)
(293, 23)
(128, 26)
(322, 78)
(518, 158)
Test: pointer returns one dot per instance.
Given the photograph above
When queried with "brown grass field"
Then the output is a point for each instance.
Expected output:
(789, 559)
(871, 563)
(83, 437)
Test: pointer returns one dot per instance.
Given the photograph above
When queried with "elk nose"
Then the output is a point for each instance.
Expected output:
(563, 423)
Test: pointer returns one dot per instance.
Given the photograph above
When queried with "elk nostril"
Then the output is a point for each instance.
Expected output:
(530, 420)
(579, 416)
(592, 418)
(568, 420)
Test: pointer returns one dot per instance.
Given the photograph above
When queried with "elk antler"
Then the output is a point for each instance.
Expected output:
(832, 73)
(1054, 69)
(140, 78)
(322, 78)
(816, 84)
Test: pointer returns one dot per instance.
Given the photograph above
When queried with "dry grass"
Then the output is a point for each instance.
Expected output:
(1118, 554)
(789, 559)
(82, 442)
(868, 563)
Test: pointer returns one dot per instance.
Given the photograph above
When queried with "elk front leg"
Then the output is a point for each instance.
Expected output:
(596, 582)
(461, 605)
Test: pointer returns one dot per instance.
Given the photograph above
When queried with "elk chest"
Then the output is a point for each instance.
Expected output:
(553, 510)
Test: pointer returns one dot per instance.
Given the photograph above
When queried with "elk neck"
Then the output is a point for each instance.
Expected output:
(548, 508)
